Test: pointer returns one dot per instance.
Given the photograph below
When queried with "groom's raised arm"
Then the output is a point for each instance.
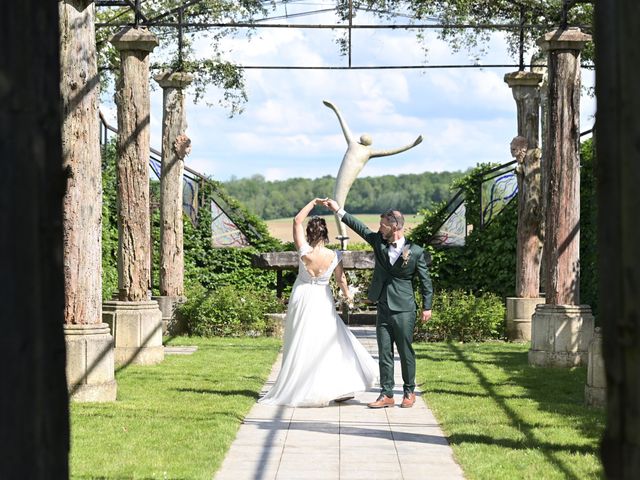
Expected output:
(352, 222)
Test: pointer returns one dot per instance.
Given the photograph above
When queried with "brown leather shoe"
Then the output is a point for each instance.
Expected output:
(408, 400)
(382, 402)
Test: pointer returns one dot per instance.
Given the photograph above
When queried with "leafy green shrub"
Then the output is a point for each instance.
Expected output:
(228, 311)
(464, 317)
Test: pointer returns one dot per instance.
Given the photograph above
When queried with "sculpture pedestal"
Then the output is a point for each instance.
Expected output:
(170, 323)
(519, 313)
(137, 331)
(560, 335)
(595, 391)
(90, 364)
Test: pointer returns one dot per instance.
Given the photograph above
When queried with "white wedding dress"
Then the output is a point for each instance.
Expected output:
(322, 360)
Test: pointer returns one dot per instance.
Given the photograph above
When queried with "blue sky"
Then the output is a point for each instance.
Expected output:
(466, 116)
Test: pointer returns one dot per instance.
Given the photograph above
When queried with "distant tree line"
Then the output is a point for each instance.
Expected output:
(283, 198)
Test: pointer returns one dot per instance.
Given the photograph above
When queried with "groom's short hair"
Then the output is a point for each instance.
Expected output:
(394, 217)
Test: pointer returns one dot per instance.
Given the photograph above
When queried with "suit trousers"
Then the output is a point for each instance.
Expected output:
(395, 327)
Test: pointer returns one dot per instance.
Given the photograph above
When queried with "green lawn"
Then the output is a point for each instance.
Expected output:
(173, 420)
(506, 420)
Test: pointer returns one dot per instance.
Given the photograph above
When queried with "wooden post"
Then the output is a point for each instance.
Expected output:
(34, 411)
(618, 178)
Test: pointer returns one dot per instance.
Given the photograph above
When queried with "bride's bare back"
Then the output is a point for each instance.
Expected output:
(318, 260)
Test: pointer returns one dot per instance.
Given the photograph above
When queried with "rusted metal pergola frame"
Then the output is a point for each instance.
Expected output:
(160, 21)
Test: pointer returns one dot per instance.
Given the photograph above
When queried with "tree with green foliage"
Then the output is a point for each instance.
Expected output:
(539, 17)
(177, 50)
(408, 193)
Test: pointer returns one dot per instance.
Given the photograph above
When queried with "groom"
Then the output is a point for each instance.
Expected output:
(397, 262)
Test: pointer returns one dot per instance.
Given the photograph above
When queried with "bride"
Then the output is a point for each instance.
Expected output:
(322, 360)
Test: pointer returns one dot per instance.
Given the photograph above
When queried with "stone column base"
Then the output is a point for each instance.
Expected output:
(170, 323)
(137, 331)
(595, 391)
(519, 313)
(560, 335)
(90, 365)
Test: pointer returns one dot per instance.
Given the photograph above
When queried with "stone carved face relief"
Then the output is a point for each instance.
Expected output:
(519, 148)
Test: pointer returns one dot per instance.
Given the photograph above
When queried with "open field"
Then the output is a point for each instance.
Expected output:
(281, 228)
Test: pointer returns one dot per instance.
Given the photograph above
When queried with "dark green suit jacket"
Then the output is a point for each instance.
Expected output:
(397, 278)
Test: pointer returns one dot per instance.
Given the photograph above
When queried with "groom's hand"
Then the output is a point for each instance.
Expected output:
(426, 315)
(332, 205)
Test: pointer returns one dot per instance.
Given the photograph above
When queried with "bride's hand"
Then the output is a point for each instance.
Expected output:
(320, 201)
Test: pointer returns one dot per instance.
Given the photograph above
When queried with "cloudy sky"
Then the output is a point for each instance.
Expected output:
(466, 116)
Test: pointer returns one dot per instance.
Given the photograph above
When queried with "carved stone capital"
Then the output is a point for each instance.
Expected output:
(569, 39)
(173, 79)
(132, 38)
(523, 79)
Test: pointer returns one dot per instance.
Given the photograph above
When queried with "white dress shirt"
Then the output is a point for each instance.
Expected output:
(394, 252)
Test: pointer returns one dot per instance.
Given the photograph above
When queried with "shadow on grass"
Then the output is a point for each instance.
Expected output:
(458, 438)
(553, 389)
(246, 393)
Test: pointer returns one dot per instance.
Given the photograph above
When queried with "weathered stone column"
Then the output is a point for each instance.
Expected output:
(539, 65)
(90, 365)
(135, 320)
(562, 328)
(525, 89)
(175, 146)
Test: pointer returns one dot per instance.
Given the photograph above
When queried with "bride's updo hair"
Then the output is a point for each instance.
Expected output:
(317, 231)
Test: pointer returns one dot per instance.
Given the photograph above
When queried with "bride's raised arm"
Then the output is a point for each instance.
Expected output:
(299, 238)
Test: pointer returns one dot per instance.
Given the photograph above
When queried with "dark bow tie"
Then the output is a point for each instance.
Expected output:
(393, 244)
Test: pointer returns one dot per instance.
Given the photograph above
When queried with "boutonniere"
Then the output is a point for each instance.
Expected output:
(406, 253)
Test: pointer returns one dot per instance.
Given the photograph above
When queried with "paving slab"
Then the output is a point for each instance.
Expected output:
(345, 441)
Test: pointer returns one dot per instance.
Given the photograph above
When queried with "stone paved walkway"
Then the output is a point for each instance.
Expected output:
(346, 441)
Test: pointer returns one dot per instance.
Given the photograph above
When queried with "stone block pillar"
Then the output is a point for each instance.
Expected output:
(175, 146)
(90, 372)
(560, 335)
(595, 391)
(90, 367)
(135, 320)
(562, 312)
(137, 331)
